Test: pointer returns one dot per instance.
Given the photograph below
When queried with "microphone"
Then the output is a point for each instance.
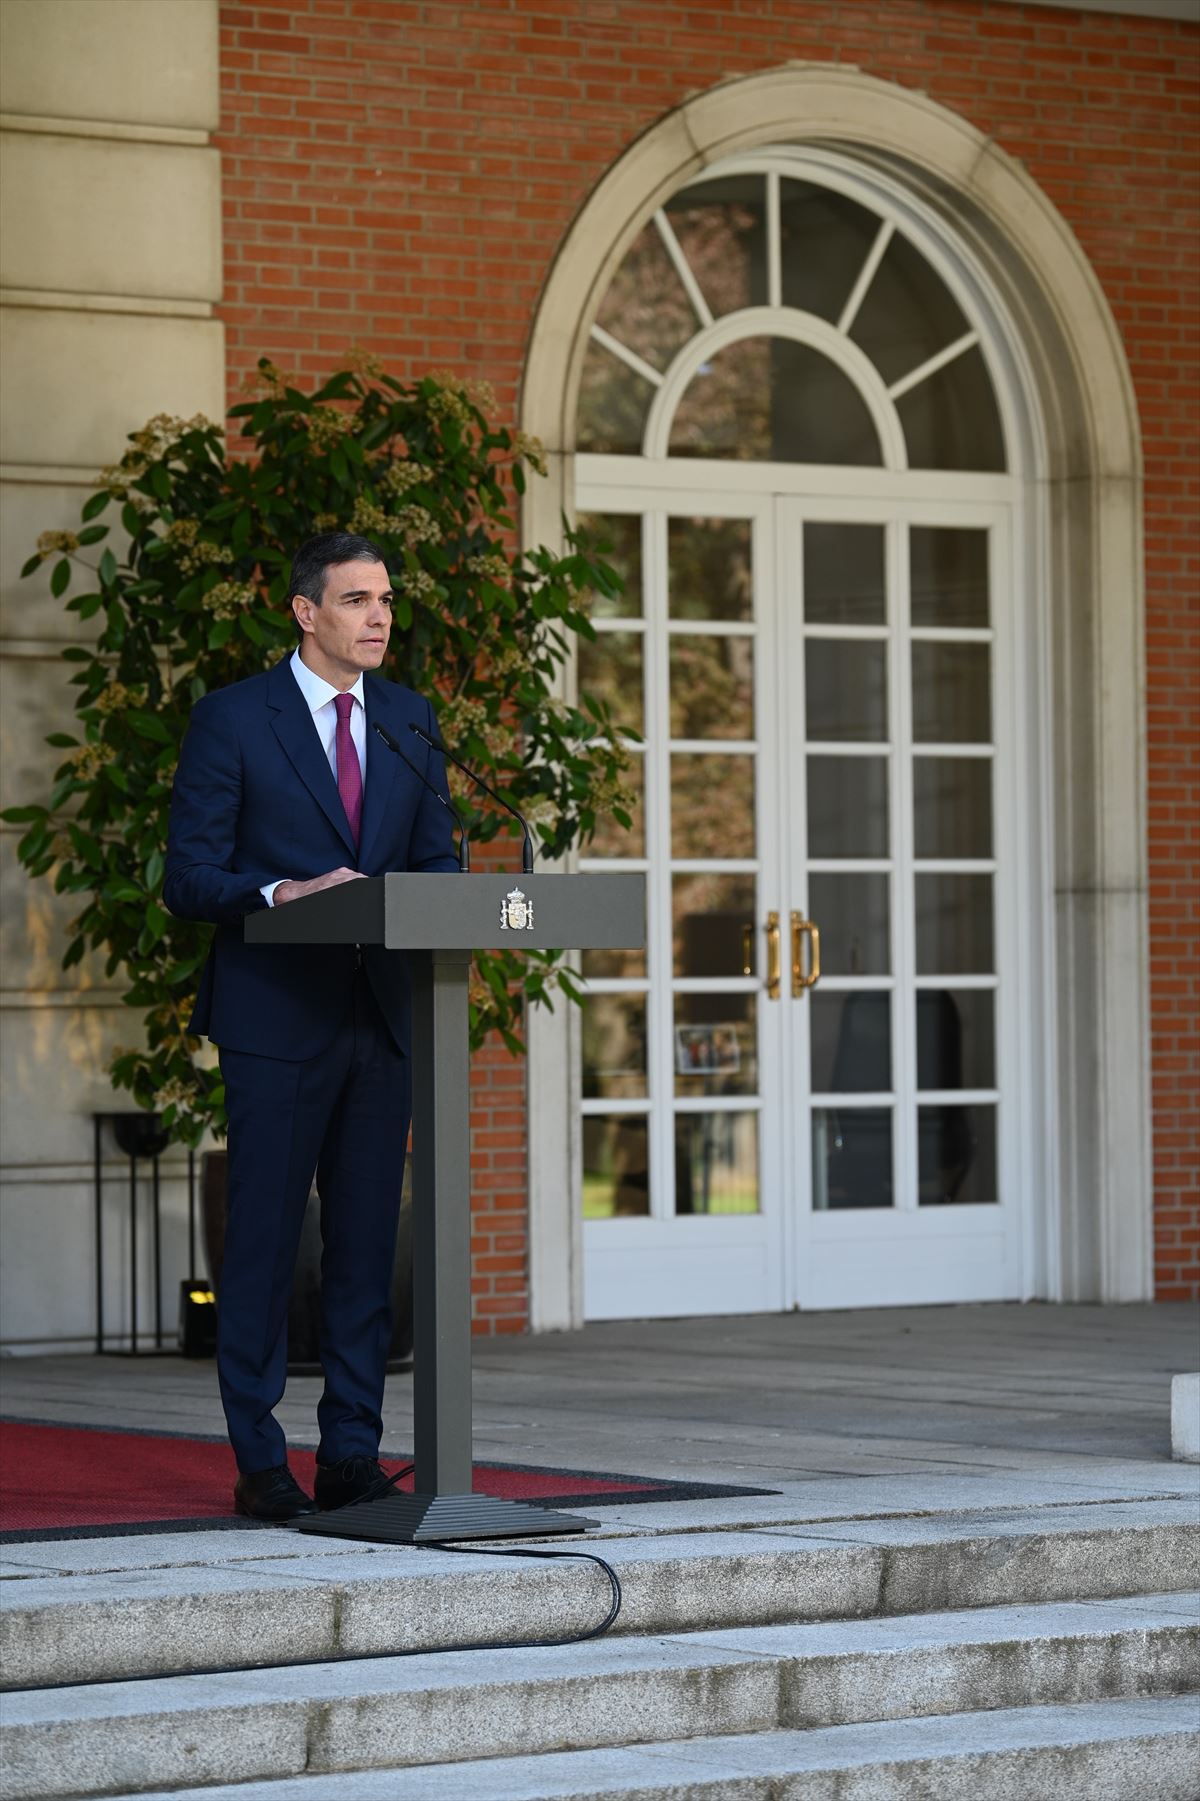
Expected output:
(464, 849)
(527, 842)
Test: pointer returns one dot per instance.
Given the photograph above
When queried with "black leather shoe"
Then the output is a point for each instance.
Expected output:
(271, 1494)
(354, 1479)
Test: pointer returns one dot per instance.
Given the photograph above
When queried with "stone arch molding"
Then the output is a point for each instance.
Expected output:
(1082, 469)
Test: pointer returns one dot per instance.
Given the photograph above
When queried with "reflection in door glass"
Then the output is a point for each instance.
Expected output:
(716, 1044)
(645, 306)
(614, 1046)
(952, 806)
(712, 687)
(949, 583)
(716, 1163)
(610, 669)
(708, 569)
(851, 1042)
(616, 1166)
(951, 693)
(956, 1038)
(712, 806)
(844, 574)
(721, 227)
(847, 807)
(714, 926)
(845, 688)
(956, 1156)
(852, 1157)
(621, 534)
(852, 912)
(954, 925)
(774, 400)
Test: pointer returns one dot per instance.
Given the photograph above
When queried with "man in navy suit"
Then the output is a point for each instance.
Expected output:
(284, 789)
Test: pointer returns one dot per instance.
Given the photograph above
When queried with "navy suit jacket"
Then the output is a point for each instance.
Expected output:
(254, 802)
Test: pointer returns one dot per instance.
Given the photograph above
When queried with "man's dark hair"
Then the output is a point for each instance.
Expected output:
(316, 556)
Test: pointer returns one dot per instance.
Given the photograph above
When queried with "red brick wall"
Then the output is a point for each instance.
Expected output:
(400, 175)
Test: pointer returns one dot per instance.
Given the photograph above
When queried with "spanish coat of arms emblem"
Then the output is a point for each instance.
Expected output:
(516, 913)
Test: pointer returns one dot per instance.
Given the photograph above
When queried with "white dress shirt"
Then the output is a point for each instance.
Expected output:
(320, 696)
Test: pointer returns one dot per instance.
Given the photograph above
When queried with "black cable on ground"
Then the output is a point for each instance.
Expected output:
(467, 1550)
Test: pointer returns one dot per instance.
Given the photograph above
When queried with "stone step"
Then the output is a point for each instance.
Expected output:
(397, 1712)
(1076, 1753)
(293, 1603)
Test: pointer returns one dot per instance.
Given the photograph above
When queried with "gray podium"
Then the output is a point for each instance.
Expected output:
(440, 920)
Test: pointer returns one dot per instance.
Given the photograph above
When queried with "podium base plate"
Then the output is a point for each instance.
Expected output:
(402, 1519)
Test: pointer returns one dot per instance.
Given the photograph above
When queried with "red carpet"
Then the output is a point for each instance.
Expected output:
(72, 1480)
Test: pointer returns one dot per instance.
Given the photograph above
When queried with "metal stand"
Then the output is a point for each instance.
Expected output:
(138, 1135)
(442, 1505)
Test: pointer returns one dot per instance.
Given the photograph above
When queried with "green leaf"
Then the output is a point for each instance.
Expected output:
(148, 725)
(160, 481)
(95, 504)
(61, 740)
(107, 569)
(337, 463)
(60, 577)
(93, 534)
(22, 815)
(30, 564)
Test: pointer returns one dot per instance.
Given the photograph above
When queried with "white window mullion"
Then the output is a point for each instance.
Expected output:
(659, 1024)
(904, 1005)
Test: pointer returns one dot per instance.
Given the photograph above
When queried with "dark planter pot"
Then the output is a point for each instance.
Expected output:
(304, 1309)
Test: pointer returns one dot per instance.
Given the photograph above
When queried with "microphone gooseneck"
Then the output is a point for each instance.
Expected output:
(464, 848)
(527, 841)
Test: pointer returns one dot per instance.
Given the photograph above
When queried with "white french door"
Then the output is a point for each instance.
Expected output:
(805, 1093)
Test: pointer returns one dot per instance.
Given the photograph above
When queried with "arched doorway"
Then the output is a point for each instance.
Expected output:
(849, 447)
(808, 1090)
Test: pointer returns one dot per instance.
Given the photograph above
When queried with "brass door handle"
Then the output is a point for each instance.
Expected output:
(774, 970)
(805, 928)
(748, 950)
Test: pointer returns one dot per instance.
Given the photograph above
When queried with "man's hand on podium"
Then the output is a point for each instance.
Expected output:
(290, 891)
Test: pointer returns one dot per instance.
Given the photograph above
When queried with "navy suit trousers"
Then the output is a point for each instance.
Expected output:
(343, 1114)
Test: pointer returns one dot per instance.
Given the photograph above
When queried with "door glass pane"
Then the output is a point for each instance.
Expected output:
(852, 1157)
(847, 807)
(852, 913)
(612, 839)
(715, 1045)
(774, 400)
(845, 687)
(619, 537)
(851, 1042)
(825, 238)
(712, 687)
(954, 925)
(616, 1166)
(618, 965)
(952, 806)
(708, 569)
(714, 924)
(722, 230)
(956, 1038)
(949, 569)
(614, 1046)
(951, 420)
(716, 1163)
(646, 307)
(613, 402)
(610, 669)
(951, 692)
(908, 314)
(844, 574)
(956, 1156)
(712, 806)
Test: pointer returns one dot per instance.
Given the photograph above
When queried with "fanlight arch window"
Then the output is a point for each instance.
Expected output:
(773, 317)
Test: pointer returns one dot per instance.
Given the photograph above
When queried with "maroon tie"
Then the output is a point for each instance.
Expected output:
(349, 775)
